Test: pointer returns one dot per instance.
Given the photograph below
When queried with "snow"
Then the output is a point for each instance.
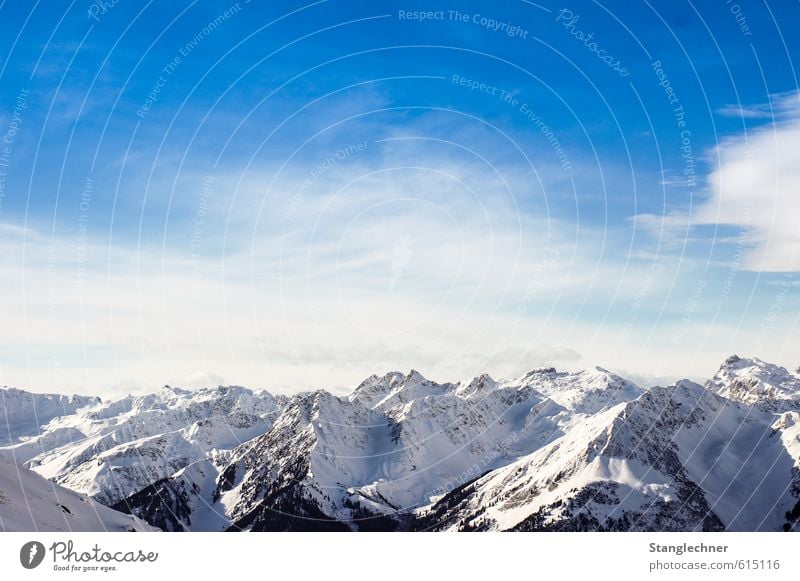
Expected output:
(545, 467)
(28, 502)
(110, 450)
(552, 444)
(754, 381)
(589, 391)
(740, 456)
(743, 469)
(23, 413)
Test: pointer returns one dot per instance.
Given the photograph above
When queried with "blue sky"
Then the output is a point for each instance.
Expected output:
(293, 195)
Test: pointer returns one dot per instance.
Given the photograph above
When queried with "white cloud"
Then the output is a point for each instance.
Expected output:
(454, 270)
(132, 320)
(202, 379)
(755, 186)
(780, 106)
(319, 300)
(672, 228)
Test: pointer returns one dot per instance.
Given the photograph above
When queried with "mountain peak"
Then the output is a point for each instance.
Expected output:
(587, 391)
(479, 384)
(737, 362)
(174, 390)
(753, 381)
(540, 371)
(732, 360)
(415, 375)
(227, 457)
(374, 388)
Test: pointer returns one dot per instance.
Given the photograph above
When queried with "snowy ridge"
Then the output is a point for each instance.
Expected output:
(21, 413)
(754, 381)
(550, 450)
(111, 450)
(676, 458)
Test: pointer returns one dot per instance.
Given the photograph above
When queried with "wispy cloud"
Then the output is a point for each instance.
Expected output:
(779, 106)
(446, 267)
(671, 229)
(755, 185)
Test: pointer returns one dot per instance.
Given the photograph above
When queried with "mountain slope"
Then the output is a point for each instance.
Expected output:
(22, 414)
(182, 502)
(753, 381)
(28, 502)
(397, 442)
(676, 458)
(550, 450)
(114, 449)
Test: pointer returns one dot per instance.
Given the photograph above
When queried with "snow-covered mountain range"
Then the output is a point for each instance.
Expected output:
(29, 502)
(550, 450)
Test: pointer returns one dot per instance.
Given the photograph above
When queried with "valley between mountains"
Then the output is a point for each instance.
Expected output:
(548, 451)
